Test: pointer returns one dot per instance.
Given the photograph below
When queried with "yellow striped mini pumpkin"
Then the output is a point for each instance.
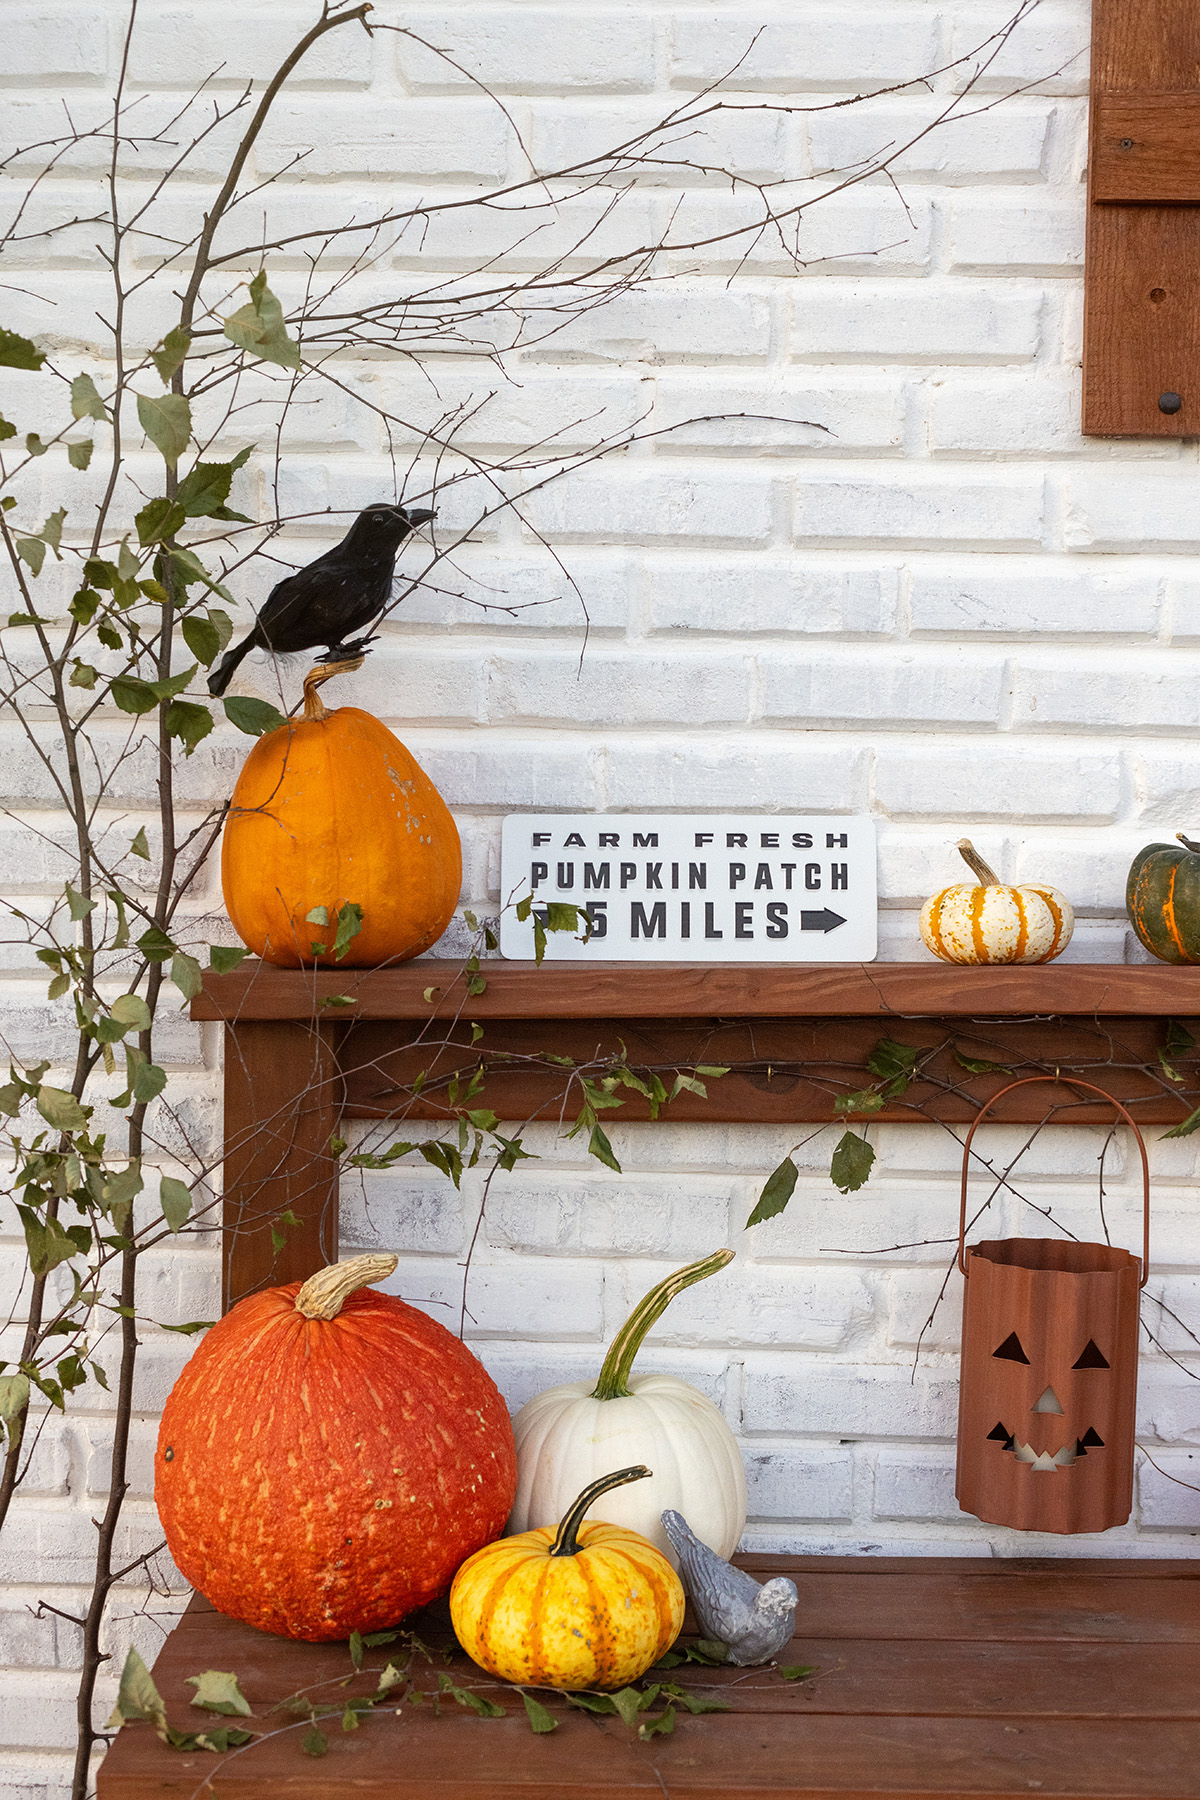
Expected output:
(586, 1606)
(990, 922)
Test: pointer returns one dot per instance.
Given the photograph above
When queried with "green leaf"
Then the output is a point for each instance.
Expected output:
(476, 1703)
(541, 1719)
(200, 636)
(663, 1726)
(561, 917)
(31, 550)
(138, 845)
(205, 488)
(695, 1703)
(175, 1199)
(191, 1328)
(780, 1185)
(83, 675)
(219, 1692)
(629, 1702)
(16, 352)
(349, 924)
(188, 721)
(892, 1060)
(222, 624)
(190, 569)
(797, 1671)
(318, 916)
(593, 1703)
(131, 1011)
(314, 1742)
(61, 1109)
(851, 1163)
(601, 1149)
(186, 974)
(132, 694)
(224, 957)
(7, 430)
(166, 420)
(148, 1082)
(79, 907)
(155, 945)
(34, 444)
(158, 520)
(1186, 1126)
(978, 1066)
(80, 455)
(14, 1398)
(253, 716)
(85, 400)
(866, 1100)
(52, 529)
(137, 1697)
(259, 327)
(170, 357)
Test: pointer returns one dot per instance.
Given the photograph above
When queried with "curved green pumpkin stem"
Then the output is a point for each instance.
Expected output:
(566, 1542)
(1186, 842)
(614, 1375)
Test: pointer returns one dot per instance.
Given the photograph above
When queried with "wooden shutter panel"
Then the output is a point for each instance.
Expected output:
(1142, 286)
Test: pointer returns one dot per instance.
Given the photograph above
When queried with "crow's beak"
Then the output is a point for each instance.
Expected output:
(419, 515)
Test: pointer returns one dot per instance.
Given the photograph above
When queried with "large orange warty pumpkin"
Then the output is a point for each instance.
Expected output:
(330, 809)
(329, 1457)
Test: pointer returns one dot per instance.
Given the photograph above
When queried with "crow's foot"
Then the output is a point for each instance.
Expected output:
(344, 652)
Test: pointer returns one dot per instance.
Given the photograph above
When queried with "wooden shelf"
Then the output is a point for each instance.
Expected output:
(522, 990)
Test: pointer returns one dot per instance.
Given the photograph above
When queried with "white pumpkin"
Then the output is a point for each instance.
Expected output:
(992, 922)
(570, 1435)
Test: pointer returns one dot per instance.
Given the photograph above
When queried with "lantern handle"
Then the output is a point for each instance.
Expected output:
(1059, 1081)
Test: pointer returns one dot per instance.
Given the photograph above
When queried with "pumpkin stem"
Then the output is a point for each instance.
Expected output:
(614, 1375)
(325, 1293)
(986, 875)
(315, 708)
(1186, 842)
(566, 1542)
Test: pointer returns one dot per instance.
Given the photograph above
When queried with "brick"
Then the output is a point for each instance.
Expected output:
(626, 689)
(847, 1400)
(748, 596)
(677, 1216)
(506, 1294)
(887, 689)
(178, 47)
(779, 416)
(1081, 786)
(522, 1370)
(1164, 783)
(816, 52)
(858, 232)
(56, 45)
(752, 1304)
(1183, 609)
(413, 1211)
(907, 322)
(921, 507)
(526, 50)
(1041, 235)
(392, 138)
(1008, 143)
(510, 770)
(1018, 598)
(799, 777)
(794, 1482)
(925, 1310)
(1168, 1495)
(688, 322)
(1025, 415)
(484, 589)
(753, 145)
(1048, 49)
(683, 507)
(915, 1484)
(1147, 691)
(1115, 508)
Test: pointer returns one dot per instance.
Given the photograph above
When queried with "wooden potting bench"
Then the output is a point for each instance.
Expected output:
(933, 1677)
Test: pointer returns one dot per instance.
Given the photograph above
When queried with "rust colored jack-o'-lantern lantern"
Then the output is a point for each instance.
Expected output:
(1048, 1387)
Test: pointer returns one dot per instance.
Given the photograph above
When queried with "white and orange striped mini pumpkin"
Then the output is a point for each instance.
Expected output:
(990, 922)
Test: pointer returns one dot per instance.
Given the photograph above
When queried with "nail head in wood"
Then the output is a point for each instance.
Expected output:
(1170, 402)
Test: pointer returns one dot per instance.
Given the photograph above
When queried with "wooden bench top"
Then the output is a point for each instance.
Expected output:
(935, 1677)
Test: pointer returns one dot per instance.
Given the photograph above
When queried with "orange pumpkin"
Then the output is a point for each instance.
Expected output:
(329, 1456)
(331, 810)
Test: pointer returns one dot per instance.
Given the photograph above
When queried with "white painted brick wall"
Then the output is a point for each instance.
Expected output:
(948, 608)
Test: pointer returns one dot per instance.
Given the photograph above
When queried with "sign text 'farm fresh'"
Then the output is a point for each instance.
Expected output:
(697, 888)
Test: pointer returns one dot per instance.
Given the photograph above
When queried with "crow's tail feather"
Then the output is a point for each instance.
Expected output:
(222, 675)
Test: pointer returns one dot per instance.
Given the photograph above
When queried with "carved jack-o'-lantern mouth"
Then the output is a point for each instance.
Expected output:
(1044, 1460)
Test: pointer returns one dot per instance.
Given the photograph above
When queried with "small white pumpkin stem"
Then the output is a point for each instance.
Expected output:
(325, 1293)
(614, 1375)
(315, 708)
(983, 872)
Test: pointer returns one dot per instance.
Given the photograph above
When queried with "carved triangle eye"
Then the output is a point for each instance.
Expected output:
(1092, 1357)
(1011, 1350)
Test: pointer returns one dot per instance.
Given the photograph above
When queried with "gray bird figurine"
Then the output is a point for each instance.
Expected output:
(754, 1619)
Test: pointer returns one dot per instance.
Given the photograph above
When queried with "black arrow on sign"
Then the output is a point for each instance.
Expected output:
(821, 921)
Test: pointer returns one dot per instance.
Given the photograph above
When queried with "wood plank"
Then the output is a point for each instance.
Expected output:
(1146, 148)
(282, 1098)
(779, 1071)
(1076, 1606)
(521, 990)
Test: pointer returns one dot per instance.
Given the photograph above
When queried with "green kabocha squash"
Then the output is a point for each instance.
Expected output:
(1163, 899)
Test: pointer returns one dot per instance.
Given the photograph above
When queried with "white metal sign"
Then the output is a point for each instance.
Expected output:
(700, 888)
